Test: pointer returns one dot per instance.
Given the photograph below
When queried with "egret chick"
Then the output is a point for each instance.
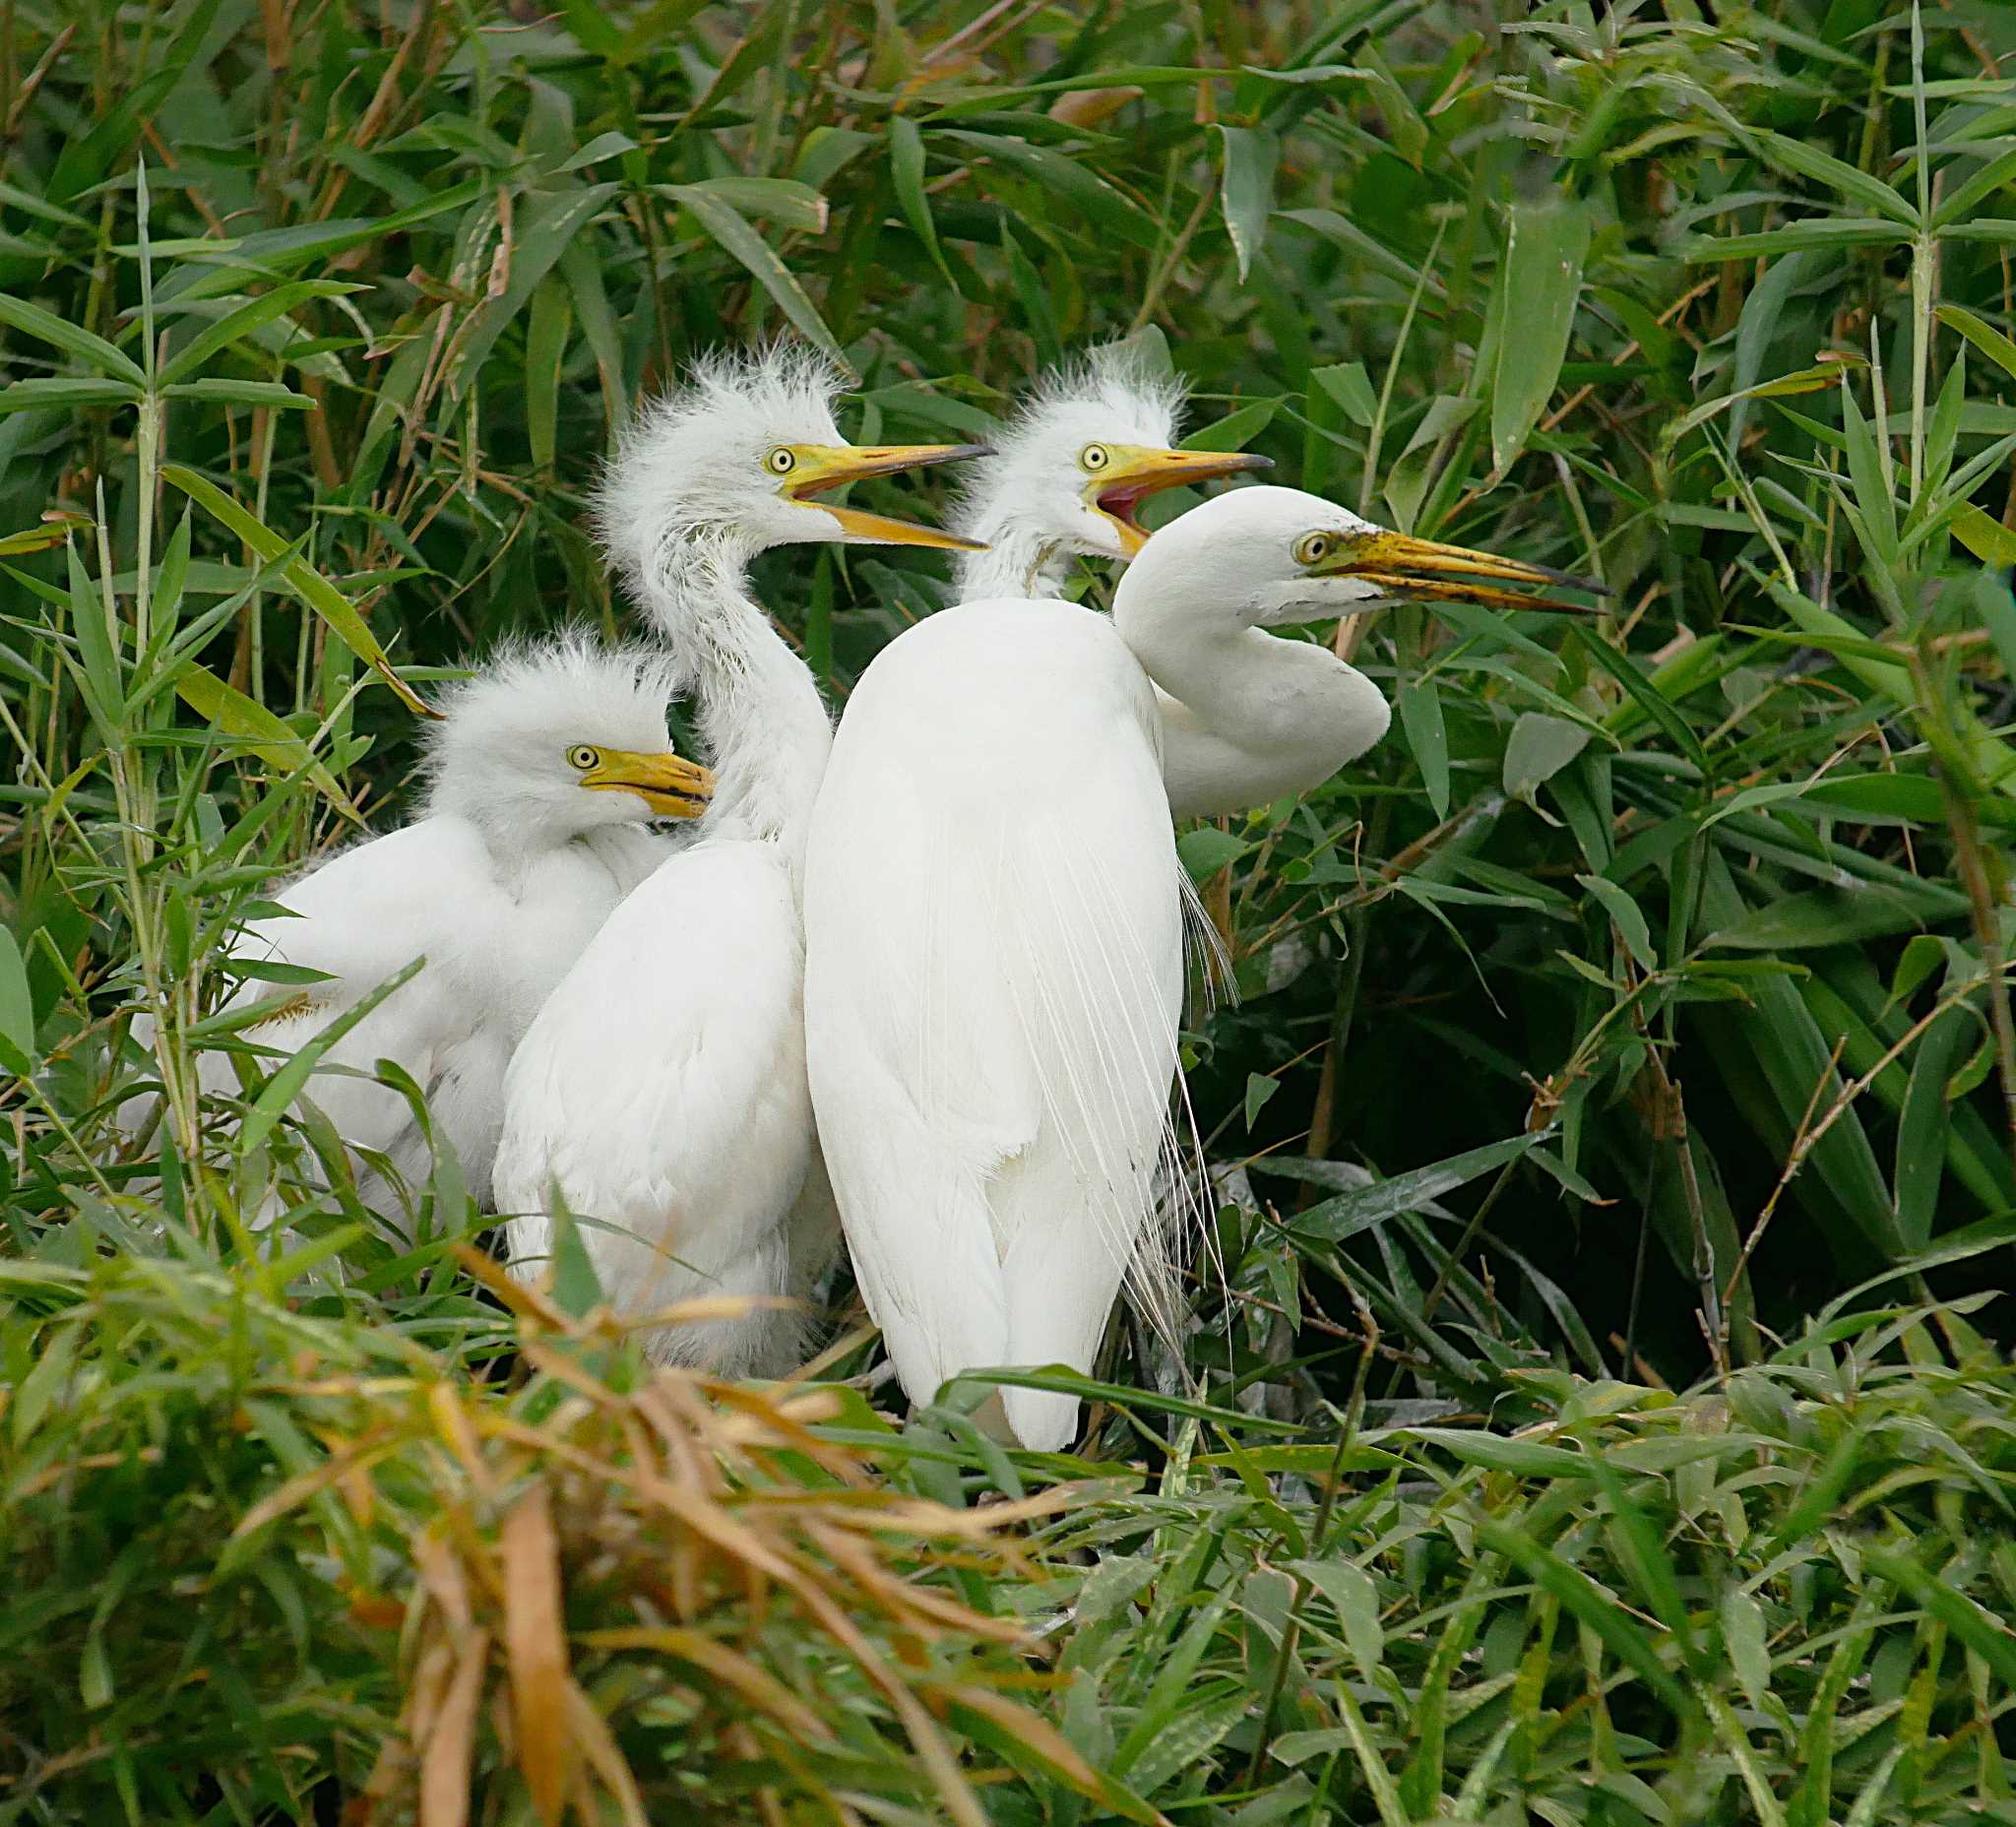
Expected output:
(994, 921)
(542, 771)
(662, 1089)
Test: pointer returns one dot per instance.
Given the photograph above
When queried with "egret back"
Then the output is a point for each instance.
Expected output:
(994, 983)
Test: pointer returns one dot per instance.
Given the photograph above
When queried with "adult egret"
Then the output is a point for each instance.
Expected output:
(662, 1089)
(542, 769)
(994, 916)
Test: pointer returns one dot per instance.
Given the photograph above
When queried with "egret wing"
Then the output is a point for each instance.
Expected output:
(994, 978)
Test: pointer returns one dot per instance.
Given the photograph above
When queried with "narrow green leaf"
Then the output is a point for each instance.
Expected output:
(1420, 715)
(1808, 160)
(1983, 335)
(286, 1084)
(732, 229)
(59, 393)
(257, 729)
(301, 579)
(546, 347)
(247, 318)
(907, 170)
(17, 1008)
(1247, 189)
(1333, 1219)
(1628, 916)
(72, 339)
(1541, 283)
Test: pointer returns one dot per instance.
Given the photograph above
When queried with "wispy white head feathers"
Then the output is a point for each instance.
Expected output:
(503, 753)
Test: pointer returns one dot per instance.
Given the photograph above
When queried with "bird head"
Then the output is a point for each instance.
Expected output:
(549, 740)
(1076, 463)
(1272, 555)
(746, 452)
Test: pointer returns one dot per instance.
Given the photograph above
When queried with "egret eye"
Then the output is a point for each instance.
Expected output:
(583, 757)
(1313, 548)
(1095, 458)
(781, 462)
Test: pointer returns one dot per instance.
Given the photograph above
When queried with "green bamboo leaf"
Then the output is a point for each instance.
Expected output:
(1830, 231)
(17, 1008)
(546, 347)
(301, 579)
(1247, 189)
(1924, 1127)
(1420, 716)
(1090, 194)
(225, 390)
(907, 170)
(1333, 1219)
(258, 730)
(1981, 186)
(1540, 284)
(1808, 160)
(247, 318)
(286, 1084)
(1588, 1602)
(1987, 1635)
(72, 339)
(60, 393)
(732, 229)
(1626, 914)
(1983, 335)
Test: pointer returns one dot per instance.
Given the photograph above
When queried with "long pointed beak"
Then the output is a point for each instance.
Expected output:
(1436, 573)
(670, 784)
(824, 470)
(1140, 470)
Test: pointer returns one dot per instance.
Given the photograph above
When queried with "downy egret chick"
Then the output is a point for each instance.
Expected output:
(1069, 472)
(662, 1089)
(994, 921)
(1067, 479)
(542, 773)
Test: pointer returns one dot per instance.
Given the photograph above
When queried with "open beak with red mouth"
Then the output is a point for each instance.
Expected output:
(804, 471)
(1428, 570)
(1134, 472)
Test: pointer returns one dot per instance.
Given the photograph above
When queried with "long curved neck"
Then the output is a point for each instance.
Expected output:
(1247, 717)
(1020, 560)
(760, 715)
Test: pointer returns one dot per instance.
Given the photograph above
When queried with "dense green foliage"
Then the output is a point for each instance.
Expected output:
(1642, 994)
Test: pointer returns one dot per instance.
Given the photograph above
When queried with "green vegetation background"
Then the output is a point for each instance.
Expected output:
(1632, 1020)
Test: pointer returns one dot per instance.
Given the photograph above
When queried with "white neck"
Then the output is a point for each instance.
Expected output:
(760, 715)
(1247, 717)
(1020, 560)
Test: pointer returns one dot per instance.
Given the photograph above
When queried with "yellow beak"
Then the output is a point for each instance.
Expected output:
(821, 468)
(1405, 566)
(672, 785)
(1138, 470)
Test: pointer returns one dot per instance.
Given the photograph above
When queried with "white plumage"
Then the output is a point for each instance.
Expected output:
(542, 773)
(662, 1089)
(994, 918)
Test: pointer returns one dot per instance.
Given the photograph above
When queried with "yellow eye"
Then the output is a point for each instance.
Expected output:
(583, 757)
(1313, 548)
(1095, 458)
(781, 460)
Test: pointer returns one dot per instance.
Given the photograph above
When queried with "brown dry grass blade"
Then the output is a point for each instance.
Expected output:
(450, 1736)
(536, 1651)
(599, 1748)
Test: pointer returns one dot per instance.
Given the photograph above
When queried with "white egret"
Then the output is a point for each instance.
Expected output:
(544, 769)
(1067, 478)
(994, 916)
(662, 1089)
